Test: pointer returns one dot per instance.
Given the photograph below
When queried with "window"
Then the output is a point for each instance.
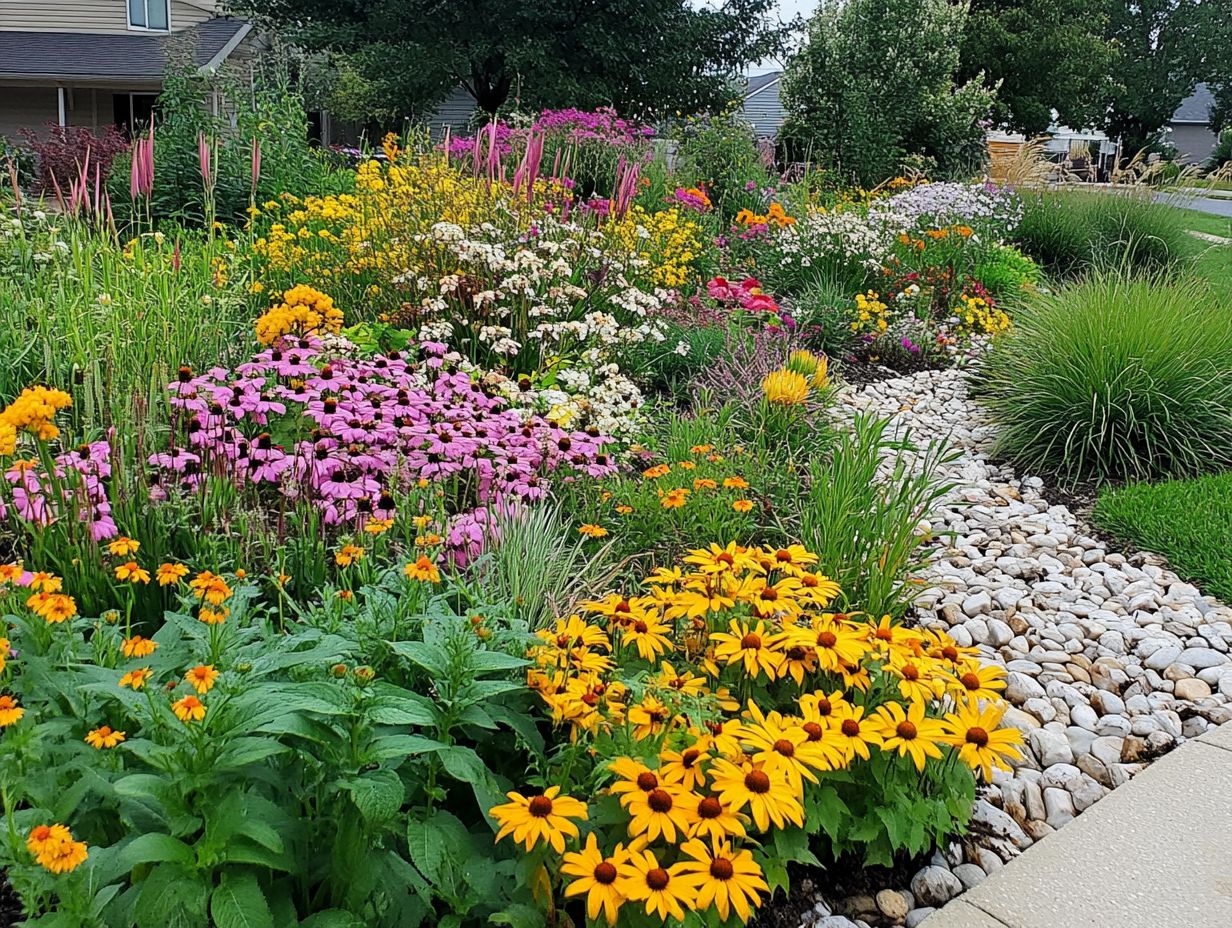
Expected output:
(154, 15)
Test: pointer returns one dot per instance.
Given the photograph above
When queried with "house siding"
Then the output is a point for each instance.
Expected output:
(764, 111)
(455, 112)
(90, 15)
(1195, 142)
(26, 106)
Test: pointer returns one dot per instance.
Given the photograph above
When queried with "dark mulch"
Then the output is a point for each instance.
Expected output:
(832, 885)
(860, 373)
(10, 910)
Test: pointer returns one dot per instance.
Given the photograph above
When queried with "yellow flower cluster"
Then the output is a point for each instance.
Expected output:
(667, 240)
(32, 411)
(54, 848)
(979, 315)
(791, 385)
(872, 315)
(303, 311)
(359, 242)
(719, 767)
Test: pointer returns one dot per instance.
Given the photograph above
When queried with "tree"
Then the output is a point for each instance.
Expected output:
(640, 56)
(1166, 47)
(873, 90)
(1046, 54)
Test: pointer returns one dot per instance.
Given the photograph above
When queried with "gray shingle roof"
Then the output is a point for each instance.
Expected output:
(134, 56)
(757, 81)
(1195, 108)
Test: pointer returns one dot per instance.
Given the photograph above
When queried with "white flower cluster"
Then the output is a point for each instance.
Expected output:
(943, 204)
(851, 235)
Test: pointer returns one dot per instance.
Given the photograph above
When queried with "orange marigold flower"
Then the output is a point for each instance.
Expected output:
(423, 569)
(10, 711)
(213, 616)
(55, 850)
(348, 555)
(171, 574)
(124, 547)
(104, 737)
(45, 582)
(189, 709)
(674, 499)
(735, 483)
(137, 646)
(743, 505)
(130, 572)
(593, 531)
(136, 679)
(201, 678)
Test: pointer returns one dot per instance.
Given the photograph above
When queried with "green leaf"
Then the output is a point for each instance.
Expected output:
(488, 661)
(390, 746)
(332, 918)
(428, 845)
(239, 903)
(243, 751)
(154, 848)
(171, 897)
(432, 658)
(377, 794)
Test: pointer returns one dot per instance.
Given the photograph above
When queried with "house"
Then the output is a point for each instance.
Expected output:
(762, 107)
(95, 63)
(1189, 129)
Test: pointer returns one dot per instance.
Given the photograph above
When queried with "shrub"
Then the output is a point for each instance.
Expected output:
(1072, 232)
(721, 154)
(1116, 378)
(1005, 272)
(67, 152)
(1187, 521)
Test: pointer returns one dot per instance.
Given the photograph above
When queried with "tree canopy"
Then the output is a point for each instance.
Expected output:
(873, 90)
(1046, 55)
(640, 56)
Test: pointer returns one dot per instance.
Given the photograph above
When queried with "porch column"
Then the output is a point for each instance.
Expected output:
(62, 105)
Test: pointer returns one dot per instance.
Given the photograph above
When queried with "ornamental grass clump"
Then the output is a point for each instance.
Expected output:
(1071, 232)
(1116, 379)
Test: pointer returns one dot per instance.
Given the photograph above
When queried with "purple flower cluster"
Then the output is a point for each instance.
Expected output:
(360, 431)
(949, 203)
(75, 485)
(569, 125)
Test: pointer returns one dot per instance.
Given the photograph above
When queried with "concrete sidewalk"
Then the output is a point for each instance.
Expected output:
(1155, 853)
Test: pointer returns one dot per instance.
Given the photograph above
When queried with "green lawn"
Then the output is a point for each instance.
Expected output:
(1214, 261)
(1187, 521)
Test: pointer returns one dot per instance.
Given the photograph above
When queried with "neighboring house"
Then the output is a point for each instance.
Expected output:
(762, 108)
(95, 63)
(1190, 126)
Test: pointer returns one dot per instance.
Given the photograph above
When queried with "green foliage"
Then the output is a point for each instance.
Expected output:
(266, 105)
(636, 55)
(868, 114)
(864, 524)
(720, 154)
(1187, 521)
(539, 565)
(1165, 48)
(1072, 232)
(1116, 378)
(110, 321)
(1005, 272)
(670, 367)
(1044, 56)
(1222, 153)
(824, 308)
(323, 782)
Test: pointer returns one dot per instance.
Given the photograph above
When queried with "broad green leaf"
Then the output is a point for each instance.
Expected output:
(155, 848)
(239, 903)
(377, 794)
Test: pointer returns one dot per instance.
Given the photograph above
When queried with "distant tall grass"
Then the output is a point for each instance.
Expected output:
(1072, 232)
(111, 321)
(1116, 378)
